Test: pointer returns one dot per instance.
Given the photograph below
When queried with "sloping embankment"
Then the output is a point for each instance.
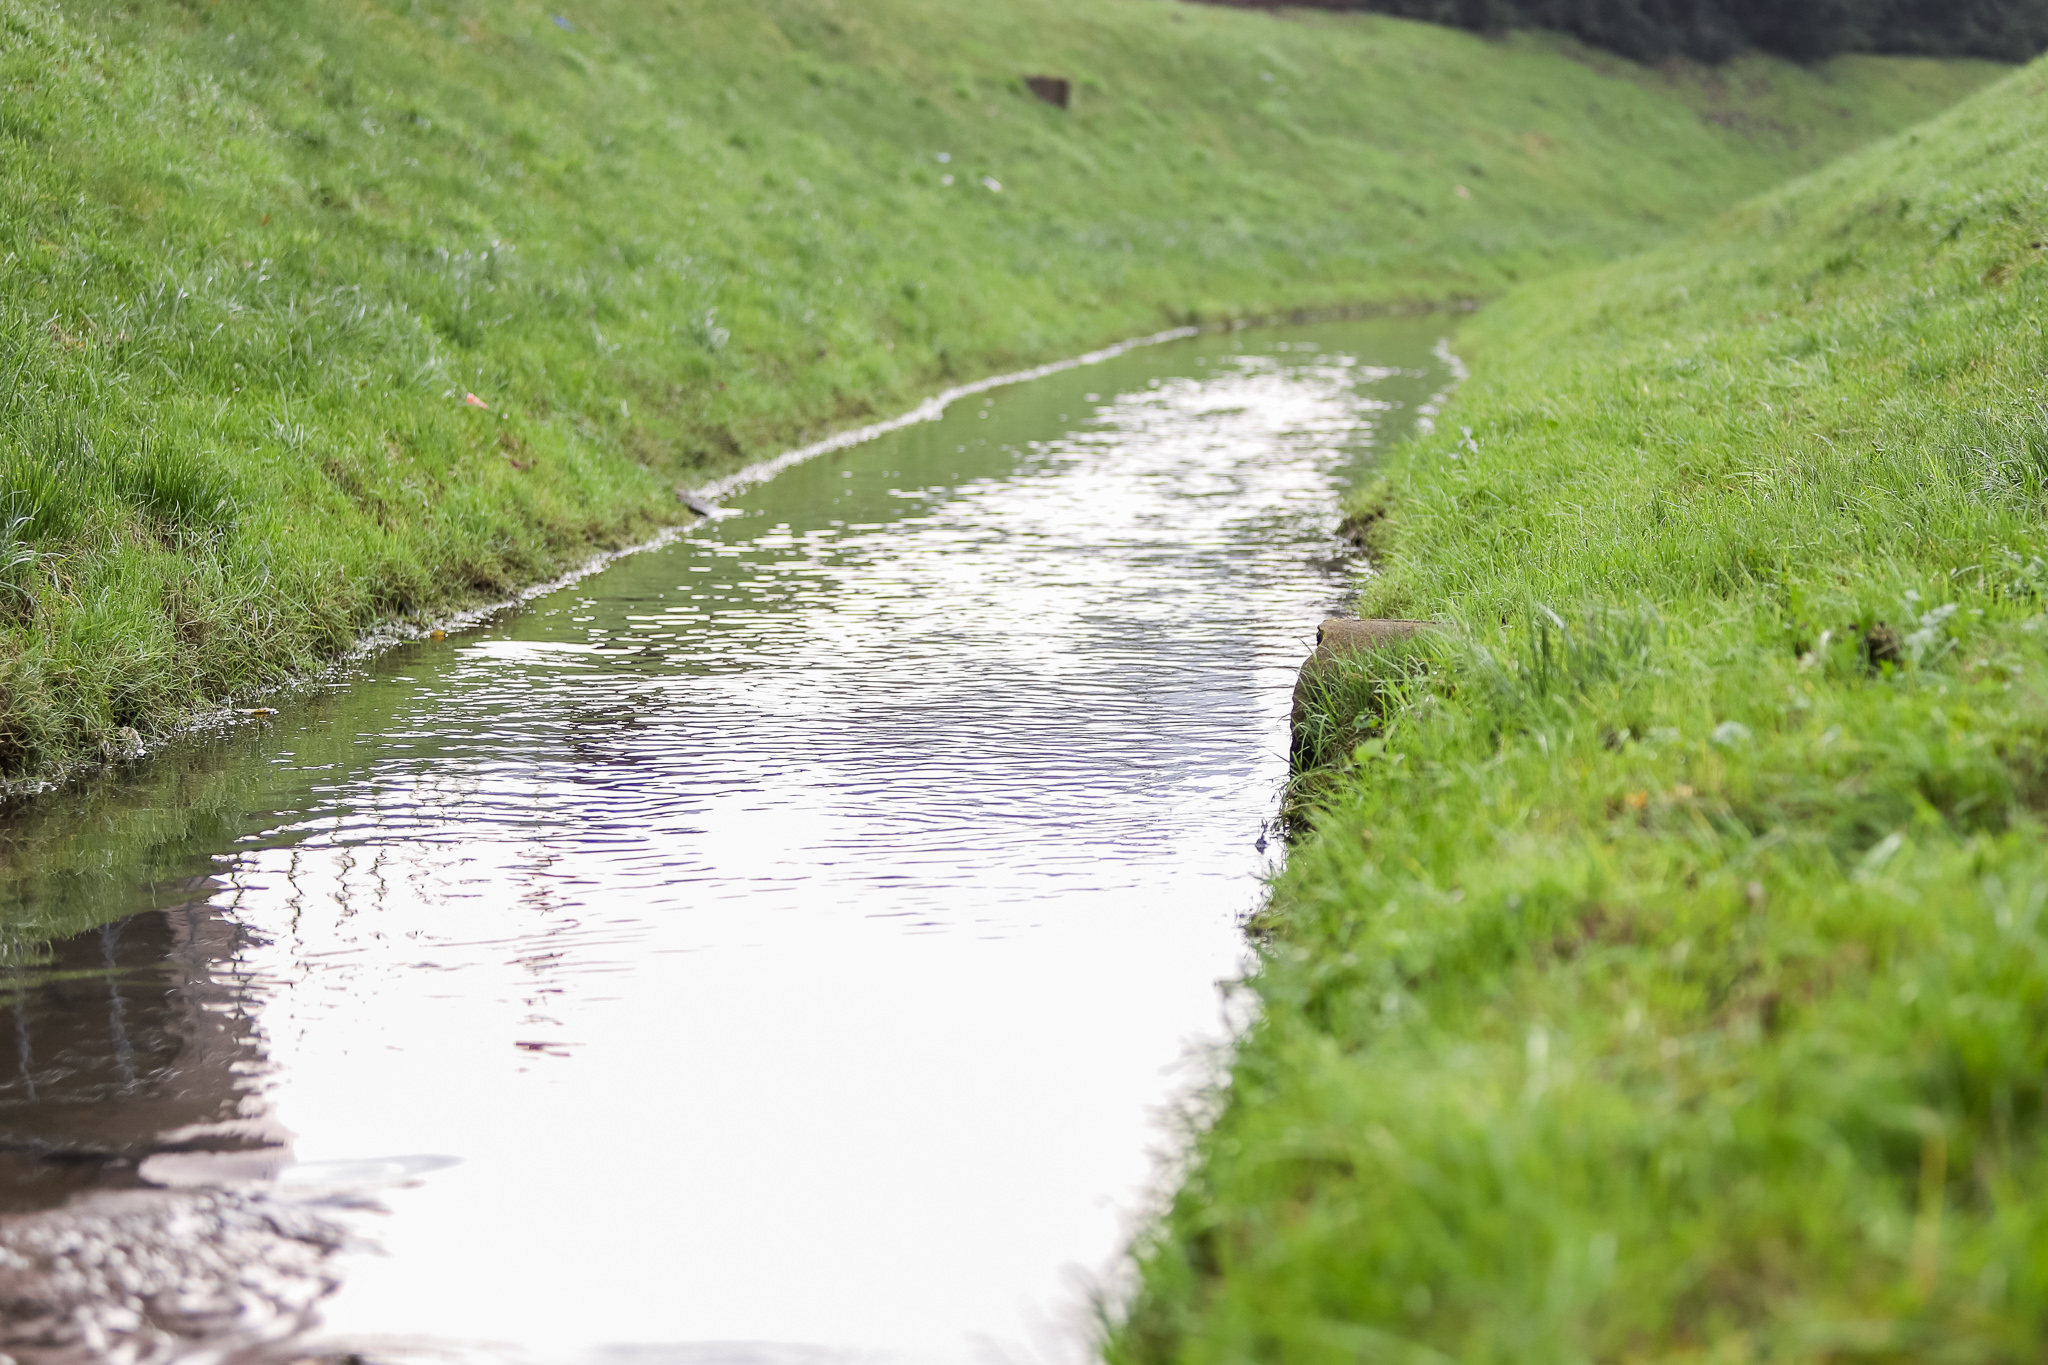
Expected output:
(1667, 977)
(259, 254)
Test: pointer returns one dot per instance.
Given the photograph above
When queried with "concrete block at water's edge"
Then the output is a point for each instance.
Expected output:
(1340, 638)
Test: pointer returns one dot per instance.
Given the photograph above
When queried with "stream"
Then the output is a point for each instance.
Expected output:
(801, 942)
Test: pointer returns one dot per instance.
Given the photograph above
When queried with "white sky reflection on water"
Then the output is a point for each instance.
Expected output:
(798, 932)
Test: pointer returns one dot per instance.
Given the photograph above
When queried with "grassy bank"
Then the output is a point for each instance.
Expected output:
(1667, 976)
(260, 254)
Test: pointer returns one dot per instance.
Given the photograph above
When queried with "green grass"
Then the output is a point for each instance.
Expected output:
(1666, 976)
(258, 252)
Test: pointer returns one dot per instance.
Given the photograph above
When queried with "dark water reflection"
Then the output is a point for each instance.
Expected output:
(122, 1043)
(794, 933)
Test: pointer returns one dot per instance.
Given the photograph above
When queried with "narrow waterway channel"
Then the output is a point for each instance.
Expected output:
(787, 945)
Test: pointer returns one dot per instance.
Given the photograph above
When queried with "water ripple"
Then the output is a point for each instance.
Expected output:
(792, 931)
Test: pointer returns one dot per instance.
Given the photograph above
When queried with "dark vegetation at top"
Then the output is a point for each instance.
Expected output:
(1715, 30)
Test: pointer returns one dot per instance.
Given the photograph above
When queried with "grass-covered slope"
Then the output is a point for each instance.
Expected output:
(1667, 975)
(257, 253)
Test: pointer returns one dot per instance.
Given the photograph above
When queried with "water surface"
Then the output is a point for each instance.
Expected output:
(785, 945)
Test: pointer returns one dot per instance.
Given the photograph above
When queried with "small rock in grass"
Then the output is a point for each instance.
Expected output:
(1057, 91)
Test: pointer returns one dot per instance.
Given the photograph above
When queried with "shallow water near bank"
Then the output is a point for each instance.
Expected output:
(790, 944)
